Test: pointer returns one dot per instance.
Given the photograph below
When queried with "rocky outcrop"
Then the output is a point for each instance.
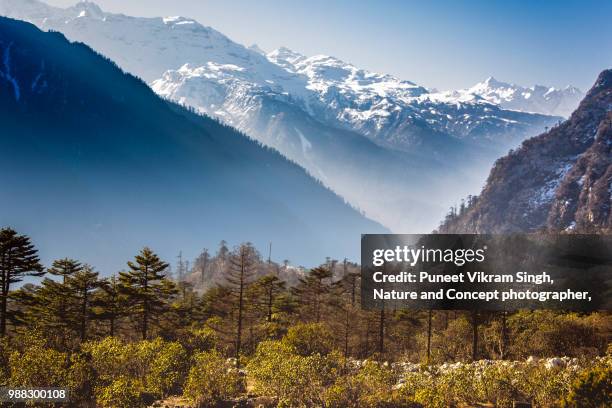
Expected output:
(560, 180)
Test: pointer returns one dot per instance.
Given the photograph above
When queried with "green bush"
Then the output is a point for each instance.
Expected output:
(5, 353)
(501, 383)
(546, 333)
(592, 389)
(38, 366)
(161, 366)
(309, 338)
(200, 339)
(81, 379)
(279, 371)
(110, 358)
(212, 380)
(372, 386)
(122, 392)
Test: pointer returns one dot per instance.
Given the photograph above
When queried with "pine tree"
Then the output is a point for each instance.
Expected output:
(80, 286)
(53, 297)
(110, 303)
(65, 268)
(312, 289)
(201, 263)
(48, 310)
(344, 294)
(18, 259)
(239, 276)
(268, 288)
(223, 251)
(144, 284)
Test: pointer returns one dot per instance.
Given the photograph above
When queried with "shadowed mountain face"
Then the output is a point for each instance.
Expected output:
(392, 148)
(94, 165)
(560, 180)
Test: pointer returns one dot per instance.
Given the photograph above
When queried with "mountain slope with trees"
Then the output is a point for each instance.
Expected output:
(92, 154)
(560, 180)
(372, 138)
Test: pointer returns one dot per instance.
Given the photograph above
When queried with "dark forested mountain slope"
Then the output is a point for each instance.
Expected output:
(388, 146)
(560, 180)
(94, 165)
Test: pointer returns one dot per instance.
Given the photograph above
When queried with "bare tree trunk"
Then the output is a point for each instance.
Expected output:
(270, 301)
(366, 343)
(84, 317)
(429, 315)
(112, 326)
(3, 307)
(381, 332)
(504, 336)
(145, 306)
(5, 289)
(346, 333)
(474, 335)
(240, 307)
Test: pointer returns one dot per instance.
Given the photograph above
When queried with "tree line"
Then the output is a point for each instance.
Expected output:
(245, 300)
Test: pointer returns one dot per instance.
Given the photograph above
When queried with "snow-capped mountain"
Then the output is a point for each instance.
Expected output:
(368, 136)
(558, 181)
(123, 168)
(398, 113)
(538, 98)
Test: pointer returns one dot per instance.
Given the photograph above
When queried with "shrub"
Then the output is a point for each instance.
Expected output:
(212, 380)
(542, 383)
(110, 358)
(547, 333)
(161, 366)
(592, 389)
(296, 380)
(81, 379)
(5, 353)
(372, 386)
(38, 366)
(200, 339)
(122, 392)
(158, 367)
(309, 338)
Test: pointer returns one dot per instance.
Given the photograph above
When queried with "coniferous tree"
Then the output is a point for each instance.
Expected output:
(268, 287)
(49, 309)
(53, 298)
(239, 276)
(65, 268)
(18, 259)
(21, 303)
(110, 302)
(144, 284)
(312, 289)
(81, 286)
(201, 263)
(223, 251)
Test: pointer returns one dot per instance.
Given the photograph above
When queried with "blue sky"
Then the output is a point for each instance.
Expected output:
(438, 43)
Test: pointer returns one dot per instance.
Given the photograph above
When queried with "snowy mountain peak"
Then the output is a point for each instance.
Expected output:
(257, 49)
(88, 9)
(537, 98)
(285, 57)
(491, 81)
(179, 20)
(88, 6)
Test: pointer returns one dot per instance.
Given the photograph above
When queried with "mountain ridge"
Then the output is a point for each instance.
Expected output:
(372, 138)
(560, 180)
(124, 168)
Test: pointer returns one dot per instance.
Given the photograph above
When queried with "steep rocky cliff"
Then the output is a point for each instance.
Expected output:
(560, 180)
